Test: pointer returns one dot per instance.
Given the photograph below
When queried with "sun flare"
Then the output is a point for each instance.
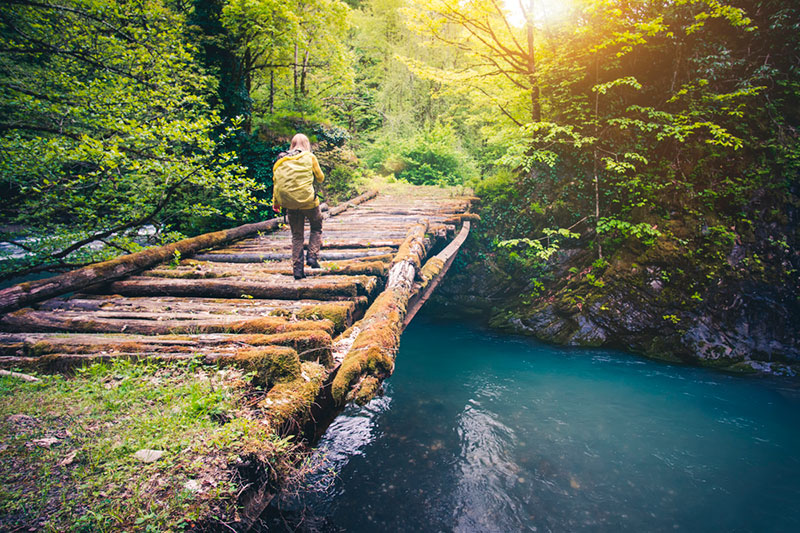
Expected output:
(544, 11)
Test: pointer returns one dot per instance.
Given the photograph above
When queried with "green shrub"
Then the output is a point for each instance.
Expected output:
(433, 157)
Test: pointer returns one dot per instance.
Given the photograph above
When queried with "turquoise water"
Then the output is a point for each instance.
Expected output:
(482, 432)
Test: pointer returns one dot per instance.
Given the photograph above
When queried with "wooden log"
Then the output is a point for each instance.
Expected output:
(433, 272)
(254, 271)
(281, 243)
(369, 195)
(130, 307)
(231, 256)
(45, 321)
(370, 358)
(258, 359)
(282, 287)
(19, 375)
(309, 344)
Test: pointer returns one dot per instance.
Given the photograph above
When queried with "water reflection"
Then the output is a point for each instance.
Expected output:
(485, 471)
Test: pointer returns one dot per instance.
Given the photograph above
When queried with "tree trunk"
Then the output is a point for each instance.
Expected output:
(303, 75)
(596, 176)
(271, 90)
(536, 113)
(294, 70)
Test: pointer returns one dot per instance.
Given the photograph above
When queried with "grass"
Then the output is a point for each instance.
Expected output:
(67, 447)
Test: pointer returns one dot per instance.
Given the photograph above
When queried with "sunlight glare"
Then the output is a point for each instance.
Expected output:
(545, 11)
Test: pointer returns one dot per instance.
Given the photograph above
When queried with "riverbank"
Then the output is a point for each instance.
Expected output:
(135, 446)
(690, 292)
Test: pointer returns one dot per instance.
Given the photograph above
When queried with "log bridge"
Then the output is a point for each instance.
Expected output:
(229, 298)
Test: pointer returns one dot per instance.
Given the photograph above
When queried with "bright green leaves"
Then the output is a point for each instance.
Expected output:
(541, 249)
(106, 129)
(642, 231)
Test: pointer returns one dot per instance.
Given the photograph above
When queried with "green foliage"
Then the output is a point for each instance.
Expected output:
(432, 157)
(644, 232)
(343, 176)
(105, 129)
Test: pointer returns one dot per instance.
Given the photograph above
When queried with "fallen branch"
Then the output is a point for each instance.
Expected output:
(18, 375)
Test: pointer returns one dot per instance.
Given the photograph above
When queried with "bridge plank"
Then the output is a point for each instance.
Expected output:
(310, 344)
(275, 287)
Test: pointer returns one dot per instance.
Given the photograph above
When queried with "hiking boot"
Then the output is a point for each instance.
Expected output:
(312, 262)
(299, 274)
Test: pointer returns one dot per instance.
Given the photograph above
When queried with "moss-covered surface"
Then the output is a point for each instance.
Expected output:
(271, 324)
(288, 404)
(463, 217)
(313, 345)
(367, 389)
(430, 270)
(410, 249)
(340, 314)
(372, 352)
(268, 364)
(366, 268)
(68, 445)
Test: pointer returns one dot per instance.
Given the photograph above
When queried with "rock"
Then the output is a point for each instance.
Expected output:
(192, 485)
(69, 459)
(22, 420)
(148, 456)
(45, 442)
(588, 333)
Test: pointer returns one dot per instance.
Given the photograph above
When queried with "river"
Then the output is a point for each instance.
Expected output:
(485, 432)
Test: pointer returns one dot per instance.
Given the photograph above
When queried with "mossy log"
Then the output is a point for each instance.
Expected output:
(285, 243)
(433, 272)
(463, 217)
(288, 404)
(312, 345)
(45, 321)
(270, 364)
(279, 287)
(371, 356)
(212, 270)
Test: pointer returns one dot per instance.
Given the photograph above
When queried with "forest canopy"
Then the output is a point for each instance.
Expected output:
(134, 122)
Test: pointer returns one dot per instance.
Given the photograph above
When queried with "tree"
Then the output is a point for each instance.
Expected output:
(105, 129)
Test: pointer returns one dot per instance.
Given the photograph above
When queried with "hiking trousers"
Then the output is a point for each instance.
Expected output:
(297, 219)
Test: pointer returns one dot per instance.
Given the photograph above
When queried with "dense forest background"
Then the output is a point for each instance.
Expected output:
(655, 137)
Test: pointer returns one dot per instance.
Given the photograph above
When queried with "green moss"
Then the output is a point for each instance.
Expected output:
(366, 390)
(407, 250)
(271, 324)
(288, 404)
(430, 270)
(357, 363)
(743, 367)
(462, 217)
(340, 314)
(271, 364)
